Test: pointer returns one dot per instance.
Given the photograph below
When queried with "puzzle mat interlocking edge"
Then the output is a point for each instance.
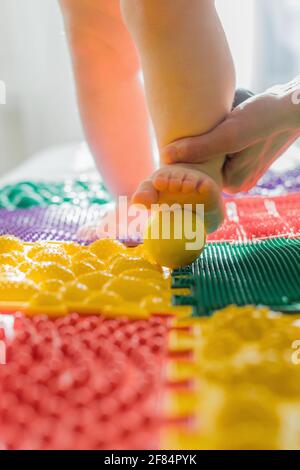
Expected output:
(162, 343)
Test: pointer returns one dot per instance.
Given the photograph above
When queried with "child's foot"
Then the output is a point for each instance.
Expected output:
(183, 184)
(124, 222)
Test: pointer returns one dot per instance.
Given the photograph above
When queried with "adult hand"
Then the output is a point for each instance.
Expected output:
(253, 136)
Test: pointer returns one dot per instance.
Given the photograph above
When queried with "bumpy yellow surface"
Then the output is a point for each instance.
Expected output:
(103, 278)
(243, 381)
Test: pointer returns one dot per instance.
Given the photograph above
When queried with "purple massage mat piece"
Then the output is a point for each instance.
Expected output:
(55, 223)
(275, 184)
(48, 223)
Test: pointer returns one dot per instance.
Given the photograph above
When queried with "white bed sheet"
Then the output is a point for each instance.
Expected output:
(56, 164)
(73, 161)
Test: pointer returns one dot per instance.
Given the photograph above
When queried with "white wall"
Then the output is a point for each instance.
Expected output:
(40, 108)
(237, 17)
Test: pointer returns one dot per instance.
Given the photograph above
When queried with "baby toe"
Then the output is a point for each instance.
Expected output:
(146, 194)
(190, 183)
(175, 182)
(161, 180)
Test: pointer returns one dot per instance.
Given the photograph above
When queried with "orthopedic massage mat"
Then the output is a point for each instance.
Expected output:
(263, 273)
(27, 194)
(247, 219)
(83, 192)
(97, 357)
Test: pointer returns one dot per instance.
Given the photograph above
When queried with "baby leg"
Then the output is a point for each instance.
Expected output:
(111, 99)
(190, 83)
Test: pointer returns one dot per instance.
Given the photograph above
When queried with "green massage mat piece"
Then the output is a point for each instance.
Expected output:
(260, 273)
(26, 194)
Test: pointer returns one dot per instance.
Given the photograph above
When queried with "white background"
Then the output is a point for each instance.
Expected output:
(41, 110)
